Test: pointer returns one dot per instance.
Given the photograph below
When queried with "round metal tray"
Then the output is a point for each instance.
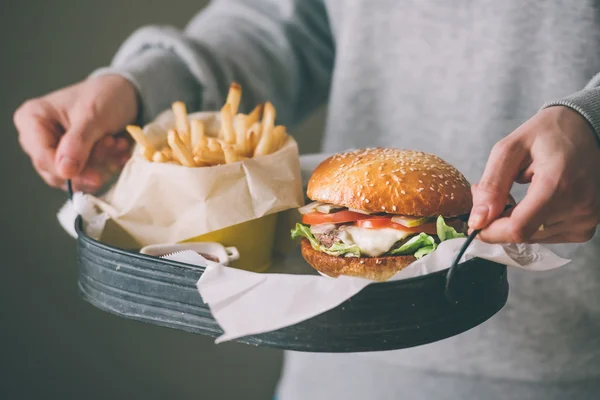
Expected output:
(383, 316)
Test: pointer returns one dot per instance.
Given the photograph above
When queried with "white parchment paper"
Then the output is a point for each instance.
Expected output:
(245, 303)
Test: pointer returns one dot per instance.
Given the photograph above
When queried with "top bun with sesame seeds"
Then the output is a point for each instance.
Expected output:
(392, 181)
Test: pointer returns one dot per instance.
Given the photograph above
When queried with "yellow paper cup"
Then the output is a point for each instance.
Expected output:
(253, 239)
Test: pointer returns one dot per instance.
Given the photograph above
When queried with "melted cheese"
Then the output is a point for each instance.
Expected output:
(372, 242)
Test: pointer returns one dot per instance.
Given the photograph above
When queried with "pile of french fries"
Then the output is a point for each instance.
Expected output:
(241, 136)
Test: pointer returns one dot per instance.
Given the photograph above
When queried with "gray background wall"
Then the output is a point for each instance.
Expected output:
(53, 345)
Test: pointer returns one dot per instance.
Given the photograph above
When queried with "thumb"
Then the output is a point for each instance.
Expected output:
(491, 194)
(75, 148)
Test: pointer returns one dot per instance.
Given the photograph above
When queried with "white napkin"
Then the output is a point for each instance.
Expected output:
(246, 303)
(93, 219)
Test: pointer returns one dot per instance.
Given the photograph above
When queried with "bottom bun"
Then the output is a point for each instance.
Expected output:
(375, 268)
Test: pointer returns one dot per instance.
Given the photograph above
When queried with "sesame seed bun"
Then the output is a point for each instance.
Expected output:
(393, 181)
(376, 268)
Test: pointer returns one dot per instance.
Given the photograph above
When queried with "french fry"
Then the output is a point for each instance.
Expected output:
(265, 143)
(228, 133)
(138, 135)
(210, 157)
(147, 152)
(198, 135)
(230, 156)
(214, 145)
(279, 137)
(233, 97)
(255, 114)
(253, 136)
(180, 152)
(240, 126)
(240, 136)
(181, 123)
(168, 153)
(159, 157)
(200, 162)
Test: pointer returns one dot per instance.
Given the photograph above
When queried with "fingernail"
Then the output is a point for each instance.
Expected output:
(478, 216)
(69, 165)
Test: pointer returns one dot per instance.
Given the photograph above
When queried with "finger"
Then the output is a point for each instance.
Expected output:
(490, 197)
(39, 138)
(525, 176)
(101, 151)
(51, 179)
(566, 214)
(122, 144)
(573, 224)
(526, 216)
(91, 178)
(506, 214)
(569, 237)
(75, 148)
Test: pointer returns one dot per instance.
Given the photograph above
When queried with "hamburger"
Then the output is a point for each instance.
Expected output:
(375, 211)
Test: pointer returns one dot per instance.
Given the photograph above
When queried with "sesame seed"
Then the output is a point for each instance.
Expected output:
(367, 200)
(420, 181)
(403, 192)
(383, 208)
(432, 189)
(394, 208)
(387, 182)
(378, 261)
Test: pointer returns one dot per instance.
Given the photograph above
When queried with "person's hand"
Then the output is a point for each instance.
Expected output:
(557, 151)
(68, 134)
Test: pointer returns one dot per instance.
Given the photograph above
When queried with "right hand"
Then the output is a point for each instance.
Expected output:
(68, 134)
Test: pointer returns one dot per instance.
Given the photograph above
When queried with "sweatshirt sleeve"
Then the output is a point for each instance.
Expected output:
(277, 50)
(586, 102)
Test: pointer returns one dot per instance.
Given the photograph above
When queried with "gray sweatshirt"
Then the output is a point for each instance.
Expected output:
(451, 78)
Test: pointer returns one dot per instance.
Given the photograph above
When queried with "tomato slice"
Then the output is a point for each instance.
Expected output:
(386, 222)
(340, 217)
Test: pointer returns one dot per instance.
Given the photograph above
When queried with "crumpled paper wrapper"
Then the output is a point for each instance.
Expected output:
(246, 303)
(168, 203)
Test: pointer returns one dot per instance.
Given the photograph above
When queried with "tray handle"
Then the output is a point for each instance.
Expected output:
(70, 189)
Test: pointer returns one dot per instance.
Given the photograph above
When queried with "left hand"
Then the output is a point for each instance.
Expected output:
(558, 153)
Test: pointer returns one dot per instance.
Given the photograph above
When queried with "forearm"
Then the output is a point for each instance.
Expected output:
(280, 52)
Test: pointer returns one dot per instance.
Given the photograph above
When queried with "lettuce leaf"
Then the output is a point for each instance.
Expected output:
(423, 251)
(446, 232)
(337, 249)
(415, 245)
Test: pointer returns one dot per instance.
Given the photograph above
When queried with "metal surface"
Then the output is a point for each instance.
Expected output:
(384, 316)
